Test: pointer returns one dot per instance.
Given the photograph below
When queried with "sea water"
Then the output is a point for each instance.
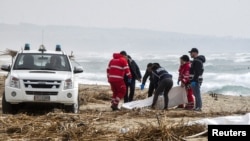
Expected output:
(225, 73)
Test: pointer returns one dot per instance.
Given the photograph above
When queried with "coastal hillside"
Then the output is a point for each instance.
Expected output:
(87, 39)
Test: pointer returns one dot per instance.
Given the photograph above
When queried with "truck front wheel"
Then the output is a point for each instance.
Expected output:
(8, 108)
(74, 108)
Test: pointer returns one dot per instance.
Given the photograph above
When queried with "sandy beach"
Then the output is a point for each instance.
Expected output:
(95, 113)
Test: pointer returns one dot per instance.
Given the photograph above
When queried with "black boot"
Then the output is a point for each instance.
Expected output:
(115, 107)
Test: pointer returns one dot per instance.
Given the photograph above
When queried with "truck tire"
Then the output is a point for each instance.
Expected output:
(74, 108)
(8, 108)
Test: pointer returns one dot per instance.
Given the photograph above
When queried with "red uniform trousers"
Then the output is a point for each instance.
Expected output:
(190, 97)
(119, 90)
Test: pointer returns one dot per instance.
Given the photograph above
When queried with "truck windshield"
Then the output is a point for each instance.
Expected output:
(30, 61)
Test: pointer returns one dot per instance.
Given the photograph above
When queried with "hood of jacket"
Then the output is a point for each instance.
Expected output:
(202, 58)
(117, 55)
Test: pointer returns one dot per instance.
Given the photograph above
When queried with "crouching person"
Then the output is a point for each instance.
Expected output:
(164, 81)
(117, 68)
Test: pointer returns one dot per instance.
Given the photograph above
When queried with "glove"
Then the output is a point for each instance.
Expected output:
(142, 86)
(193, 84)
(129, 81)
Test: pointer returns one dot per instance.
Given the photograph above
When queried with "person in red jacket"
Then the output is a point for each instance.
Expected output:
(117, 68)
(185, 82)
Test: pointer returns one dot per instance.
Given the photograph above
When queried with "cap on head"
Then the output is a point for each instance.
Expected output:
(123, 53)
(194, 50)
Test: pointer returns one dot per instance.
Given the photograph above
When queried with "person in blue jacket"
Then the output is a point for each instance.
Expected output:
(164, 81)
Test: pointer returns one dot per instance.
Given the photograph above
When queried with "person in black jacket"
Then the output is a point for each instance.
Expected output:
(164, 81)
(148, 74)
(136, 75)
(196, 72)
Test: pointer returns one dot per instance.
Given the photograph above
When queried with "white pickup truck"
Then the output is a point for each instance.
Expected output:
(41, 76)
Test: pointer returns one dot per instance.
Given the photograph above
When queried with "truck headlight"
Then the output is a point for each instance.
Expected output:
(68, 84)
(14, 82)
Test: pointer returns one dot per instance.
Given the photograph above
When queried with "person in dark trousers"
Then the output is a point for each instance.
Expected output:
(165, 83)
(196, 72)
(136, 75)
(148, 74)
(117, 68)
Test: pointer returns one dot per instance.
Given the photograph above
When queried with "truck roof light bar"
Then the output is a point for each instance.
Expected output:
(58, 48)
(27, 46)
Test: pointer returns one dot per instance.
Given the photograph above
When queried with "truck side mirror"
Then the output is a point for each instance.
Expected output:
(5, 68)
(78, 69)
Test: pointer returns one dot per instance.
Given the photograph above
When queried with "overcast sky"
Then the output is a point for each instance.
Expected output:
(206, 17)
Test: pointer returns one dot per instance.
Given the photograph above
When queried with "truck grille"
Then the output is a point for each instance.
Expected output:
(40, 93)
(42, 84)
